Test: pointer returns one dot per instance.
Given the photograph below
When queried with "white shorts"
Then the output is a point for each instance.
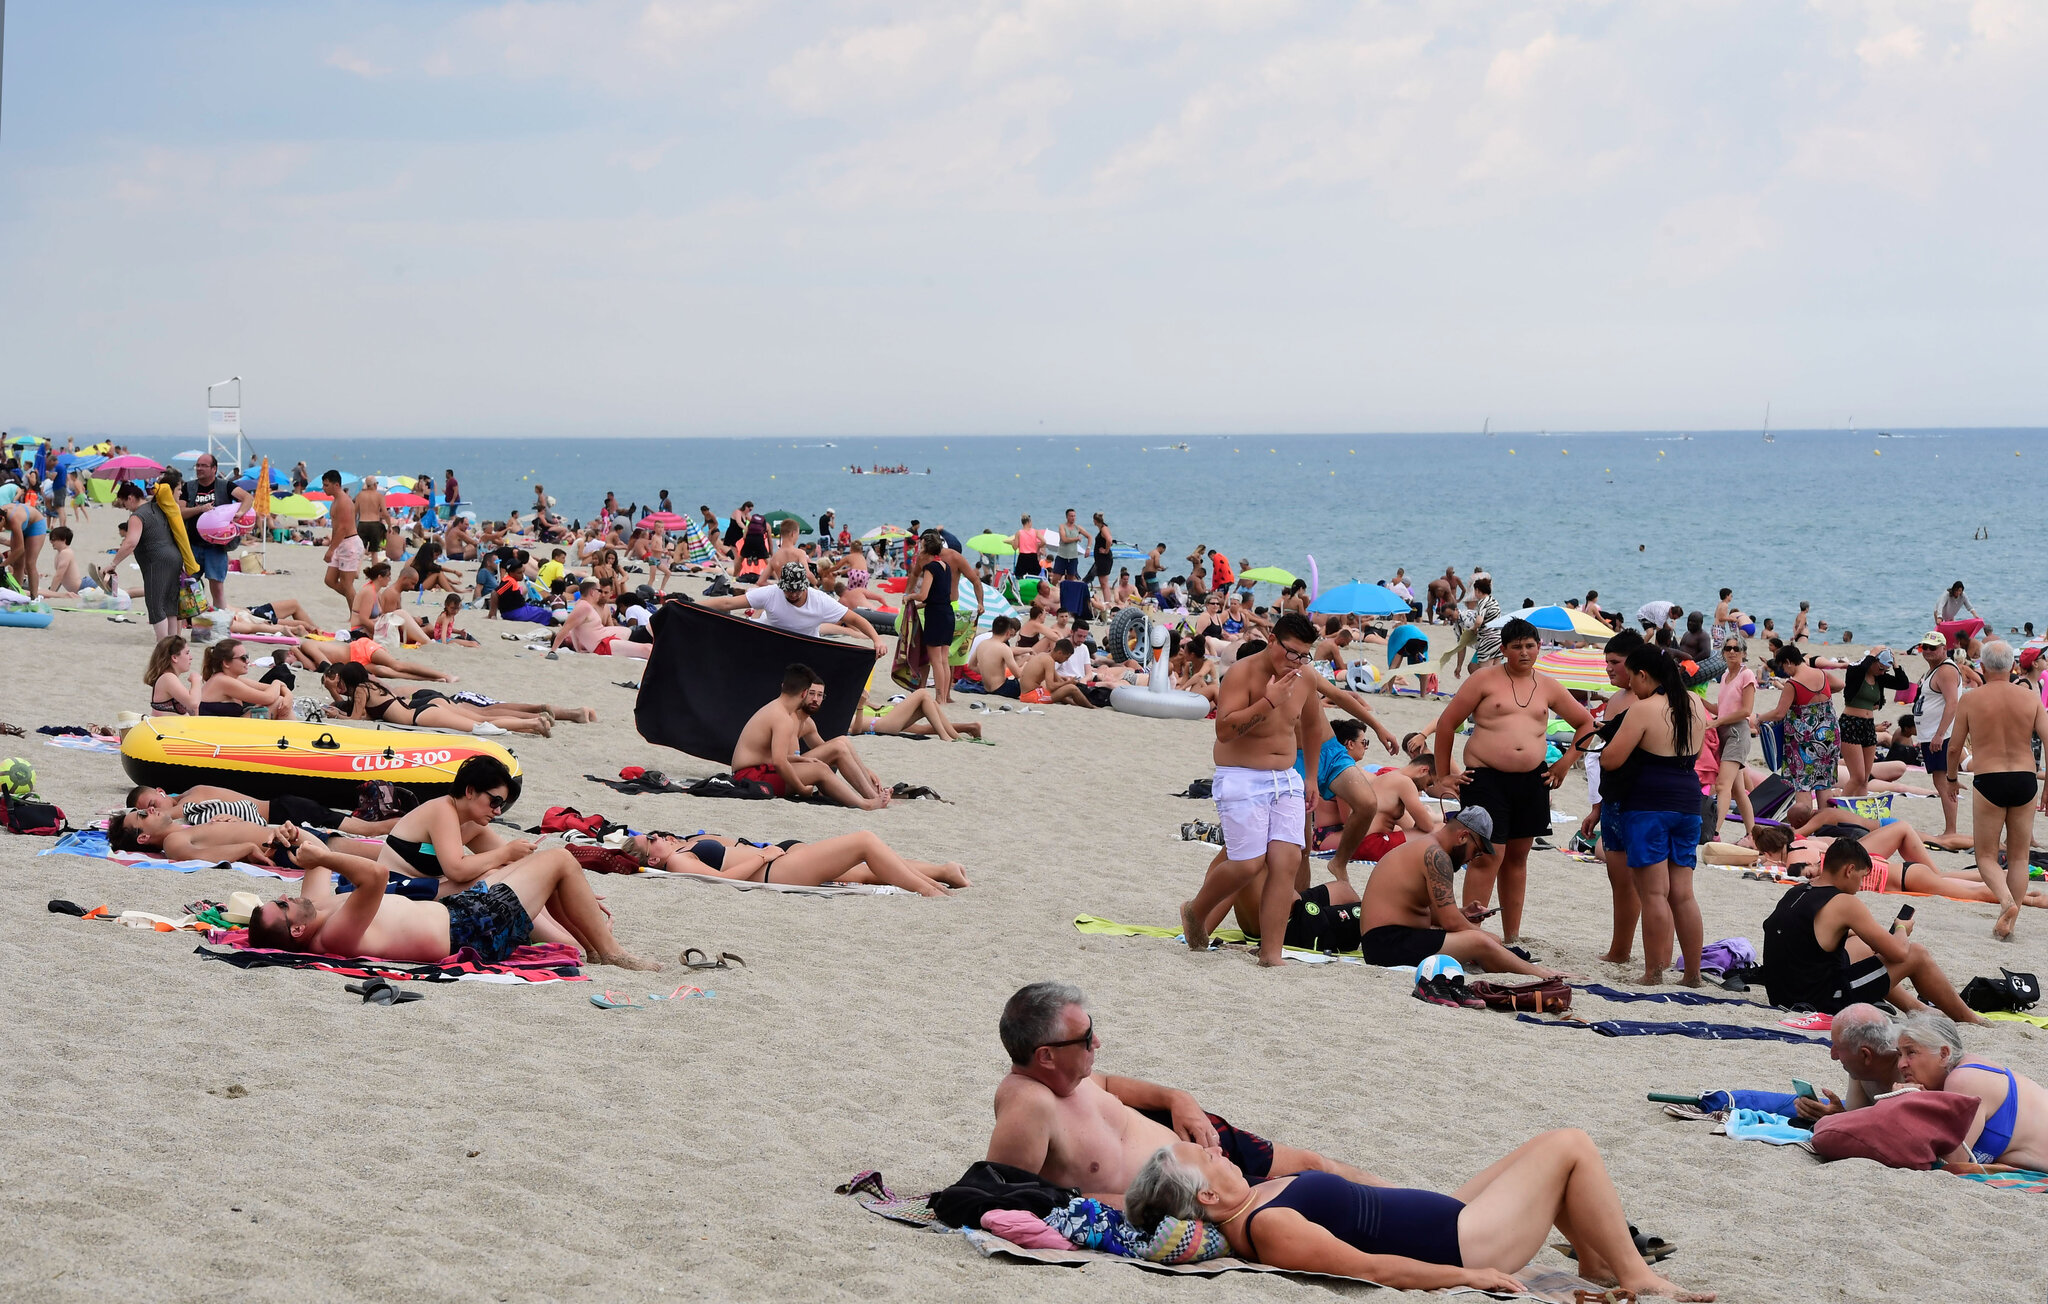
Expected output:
(348, 556)
(1256, 807)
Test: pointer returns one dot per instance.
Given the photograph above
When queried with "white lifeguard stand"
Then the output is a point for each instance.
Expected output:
(224, 437)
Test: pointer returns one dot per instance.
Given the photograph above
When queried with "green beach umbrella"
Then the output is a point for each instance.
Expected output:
(776, 518)
(992, 545)
(297, 508)
(1266, 575)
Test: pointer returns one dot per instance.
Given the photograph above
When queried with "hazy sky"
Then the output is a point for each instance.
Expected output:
(739, 217)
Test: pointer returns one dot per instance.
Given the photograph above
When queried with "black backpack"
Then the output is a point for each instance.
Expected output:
(35, 818)
(2007, 995)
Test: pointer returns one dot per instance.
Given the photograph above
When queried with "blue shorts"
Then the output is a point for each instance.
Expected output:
(212, 559)
(1333, 762)
(1651, 836)
(1612, 838)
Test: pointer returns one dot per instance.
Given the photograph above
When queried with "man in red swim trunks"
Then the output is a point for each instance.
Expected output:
(586, 631)
(781, 747)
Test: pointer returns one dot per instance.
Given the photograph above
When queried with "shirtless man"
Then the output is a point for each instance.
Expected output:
(1866, 1045)
(201, 803)
(996, 661)
(1409, 911)
(1259, 794)
(586, 631)
(1057, 1117)
(373, 521)
(493, 917)
(344, 547)
(1039, 680)
(1336, 769)
(1509, 705)
(66, 575)
(1999, 723)
(781, 747)
(223, 837)
(787, 551)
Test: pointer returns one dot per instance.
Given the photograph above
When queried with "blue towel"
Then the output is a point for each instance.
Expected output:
(1767, 1102)
(1703, 1031)
(1675, 998)
(1773, 1129)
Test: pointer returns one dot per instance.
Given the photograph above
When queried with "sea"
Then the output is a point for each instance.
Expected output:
(1869, 527)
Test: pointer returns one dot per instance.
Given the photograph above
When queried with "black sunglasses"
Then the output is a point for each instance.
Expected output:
(1085, 1039)
(498, 804)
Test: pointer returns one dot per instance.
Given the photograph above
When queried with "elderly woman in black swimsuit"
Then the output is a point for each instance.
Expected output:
(227, 690)
(358, 696)
(1407, 1239)
(848, 858)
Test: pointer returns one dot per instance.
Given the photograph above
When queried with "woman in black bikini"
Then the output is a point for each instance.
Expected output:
(1408, 1239)
(848, 858)
(227, 692)
(171, 690)
(357, 696)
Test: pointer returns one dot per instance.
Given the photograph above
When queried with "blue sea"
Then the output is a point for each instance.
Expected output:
(1869, 528)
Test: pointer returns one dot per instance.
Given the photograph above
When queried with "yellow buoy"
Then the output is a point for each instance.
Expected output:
(1566, 451)
(1511, 452)
(1877, 452)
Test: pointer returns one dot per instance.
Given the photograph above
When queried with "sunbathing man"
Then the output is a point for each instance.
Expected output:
(1057, 1117)
(201, 803)
(1866, 1045)
(586, 631)
(1509, 705)
(1410, 911)
(1398, 789)
(1039, 680)
(1824, 950)
(493, 917)
(1259, 795)
(781, 747)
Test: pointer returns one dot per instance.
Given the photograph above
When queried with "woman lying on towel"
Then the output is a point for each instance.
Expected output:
(2011, 1129)
(848, 858)
(1410, 1240)
(919, 713)
(357, 696)
(1914, 872)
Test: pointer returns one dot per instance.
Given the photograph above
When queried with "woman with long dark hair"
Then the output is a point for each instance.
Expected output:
(1651, 762)
(1813, 739)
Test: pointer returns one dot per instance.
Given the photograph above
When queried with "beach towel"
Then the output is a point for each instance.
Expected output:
(548, 962)
(93, 843)
(710, 672)
(87, 743)
(1229, 936)
(1701, 1031)
(1607, 993)
(2019, 1180)
(2005, 1016)
(1771, 1129)
(788, 889)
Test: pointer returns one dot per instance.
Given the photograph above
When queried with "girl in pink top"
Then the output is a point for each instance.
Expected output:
(1732, 712)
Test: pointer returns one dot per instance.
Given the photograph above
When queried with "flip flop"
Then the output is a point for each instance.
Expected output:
(1612, 1295)
(683, 993)
(379, 991)
(725, 960)
(614, 1001)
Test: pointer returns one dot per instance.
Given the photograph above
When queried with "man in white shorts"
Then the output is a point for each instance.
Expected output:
(1260, 800)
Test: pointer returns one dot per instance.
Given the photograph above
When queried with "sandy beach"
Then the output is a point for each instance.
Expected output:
(180, 1129)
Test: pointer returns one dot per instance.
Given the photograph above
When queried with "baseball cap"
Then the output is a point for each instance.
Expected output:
(795, 576)
(1480, 824)
(2028, 656)
(1933, 640)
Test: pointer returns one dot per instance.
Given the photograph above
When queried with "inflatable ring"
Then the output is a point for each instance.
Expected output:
(271, 758)
(26, 619)
(1173, 704)
(1125, 640)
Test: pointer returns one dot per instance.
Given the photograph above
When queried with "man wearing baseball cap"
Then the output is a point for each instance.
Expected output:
(1410, 910)
(1934, 715)
(792, 604)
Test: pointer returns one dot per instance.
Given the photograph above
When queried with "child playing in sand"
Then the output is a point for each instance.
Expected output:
(444, 630)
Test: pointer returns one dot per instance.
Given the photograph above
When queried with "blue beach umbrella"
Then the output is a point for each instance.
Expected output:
(1359, 599)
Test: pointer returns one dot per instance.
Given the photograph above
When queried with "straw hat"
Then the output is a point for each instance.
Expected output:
(241, 907)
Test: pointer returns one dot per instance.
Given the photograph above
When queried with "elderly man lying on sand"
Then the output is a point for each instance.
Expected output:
(1057, 1117)
(493, 917)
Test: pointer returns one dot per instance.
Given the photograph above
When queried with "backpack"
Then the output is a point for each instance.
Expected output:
(2007, 995)
(36, 818)
(565, 819)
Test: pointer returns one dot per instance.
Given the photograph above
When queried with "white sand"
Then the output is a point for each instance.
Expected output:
(503, 1143)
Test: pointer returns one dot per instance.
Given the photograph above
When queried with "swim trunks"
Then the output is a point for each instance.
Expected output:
(1009, 688)
(1252, 1154)
(488, 919)
(1257, 807)
(362, 650)
(1654, 836)
(1316, 925)
(265, 612)
(371, 533)
(212, 559)
(2008, 789)
(1519, 803)
(1333, 762)
(1936, 758)
(1039, 695)
(348, 556)
(604, 645)
(1373, 847)
(766, 775)
(1398, 944)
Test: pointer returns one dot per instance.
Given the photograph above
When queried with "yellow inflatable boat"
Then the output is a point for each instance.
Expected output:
(265, 758)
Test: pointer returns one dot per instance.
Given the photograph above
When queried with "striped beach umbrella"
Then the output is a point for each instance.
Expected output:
(1581, 668)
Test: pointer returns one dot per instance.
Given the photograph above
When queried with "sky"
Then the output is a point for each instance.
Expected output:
(739, 217)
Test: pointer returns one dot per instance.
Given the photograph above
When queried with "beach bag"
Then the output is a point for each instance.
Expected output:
(567, 819)
(1551, 996)
(380, 800)
(603, 860)
(2006, 995)
(192, 600)
(36, 818)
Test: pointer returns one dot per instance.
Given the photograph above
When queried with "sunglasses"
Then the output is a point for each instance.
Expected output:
(1085, 1039)
(498, 804)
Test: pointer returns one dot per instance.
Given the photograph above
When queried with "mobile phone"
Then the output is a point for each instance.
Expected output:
(1800, 1087)
(1905, 913)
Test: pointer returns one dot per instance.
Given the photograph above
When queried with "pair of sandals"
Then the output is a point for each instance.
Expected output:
(723, 960)
(379, 991)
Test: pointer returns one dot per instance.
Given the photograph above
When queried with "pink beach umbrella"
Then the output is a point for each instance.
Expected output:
(113, 467)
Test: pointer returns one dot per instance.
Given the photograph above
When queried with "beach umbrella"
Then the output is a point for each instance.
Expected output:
(404, 481)
(992, 545)
(297, 507)
(775, 519)
(68, 462)
(189, 455)
(115, 466)
(404, 500)
(885, 532)
(318, 497)
(1567, 625)
(1270, 575)
(696, 547)
(263, 485)
(348, 479)
(1580, 668)
(20, 440)
(1360, 599)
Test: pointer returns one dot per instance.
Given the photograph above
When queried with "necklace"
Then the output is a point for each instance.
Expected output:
(1249, 1197)
(1532, 690)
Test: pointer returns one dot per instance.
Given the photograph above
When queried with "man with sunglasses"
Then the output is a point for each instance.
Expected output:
(1057, 1117)
(1260, 796)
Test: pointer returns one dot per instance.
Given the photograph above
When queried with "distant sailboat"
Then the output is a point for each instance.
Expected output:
(1769, 438)
(1487, 428)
